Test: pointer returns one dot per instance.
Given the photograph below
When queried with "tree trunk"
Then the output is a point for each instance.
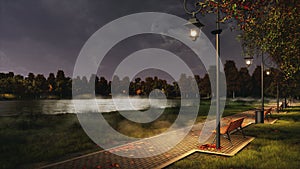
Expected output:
(284, 105)
(277, 96)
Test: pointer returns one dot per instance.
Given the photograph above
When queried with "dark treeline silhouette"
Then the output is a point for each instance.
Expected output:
(239, 84)
(36, 86)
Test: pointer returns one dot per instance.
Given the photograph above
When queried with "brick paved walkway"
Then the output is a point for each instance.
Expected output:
(106, 159)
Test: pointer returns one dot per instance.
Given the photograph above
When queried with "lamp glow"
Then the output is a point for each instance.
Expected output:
(248, 61)
(195, 27)
(193, 33)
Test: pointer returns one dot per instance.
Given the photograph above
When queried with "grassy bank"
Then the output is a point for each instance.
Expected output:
(26, 140)
(275, 146)
(31, 139)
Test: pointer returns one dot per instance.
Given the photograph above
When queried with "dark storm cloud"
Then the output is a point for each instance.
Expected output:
(43, 36)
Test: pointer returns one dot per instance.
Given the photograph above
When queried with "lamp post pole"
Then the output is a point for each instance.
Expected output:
(218, 142)
(262, 87)
(277, 95)
(216, 32)
(259, 114)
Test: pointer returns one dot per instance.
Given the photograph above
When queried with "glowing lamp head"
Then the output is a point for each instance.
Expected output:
(193, 33)
(195, 27)
(268, 72)
(248, 61)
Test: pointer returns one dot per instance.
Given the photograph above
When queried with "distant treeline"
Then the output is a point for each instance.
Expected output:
(239, 84)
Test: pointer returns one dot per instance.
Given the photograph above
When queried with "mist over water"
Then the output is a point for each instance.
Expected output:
(67, 106)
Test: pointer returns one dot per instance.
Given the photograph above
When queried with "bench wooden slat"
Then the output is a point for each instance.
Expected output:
(232, 126)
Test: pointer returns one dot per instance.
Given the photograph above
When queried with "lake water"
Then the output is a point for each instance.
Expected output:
(67, 106)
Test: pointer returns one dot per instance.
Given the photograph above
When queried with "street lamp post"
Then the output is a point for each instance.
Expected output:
(261, 119)
(217, 32)
(260, 114)
(277, 95)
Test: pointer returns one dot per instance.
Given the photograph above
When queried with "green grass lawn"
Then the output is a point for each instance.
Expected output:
(275, 146)
(27, 139)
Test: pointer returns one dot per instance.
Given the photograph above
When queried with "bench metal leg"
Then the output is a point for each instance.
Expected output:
(241, 130)
(228, 137)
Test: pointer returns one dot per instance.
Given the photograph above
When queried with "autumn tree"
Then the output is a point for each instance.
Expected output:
(269, 26)
(30, 84)
(41, 84)
(51, 83)
(61, 84)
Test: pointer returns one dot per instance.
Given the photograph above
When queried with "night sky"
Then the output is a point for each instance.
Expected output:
(43, 36)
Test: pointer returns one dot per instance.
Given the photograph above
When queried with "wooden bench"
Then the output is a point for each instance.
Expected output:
(267, 112)
(230, 128)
